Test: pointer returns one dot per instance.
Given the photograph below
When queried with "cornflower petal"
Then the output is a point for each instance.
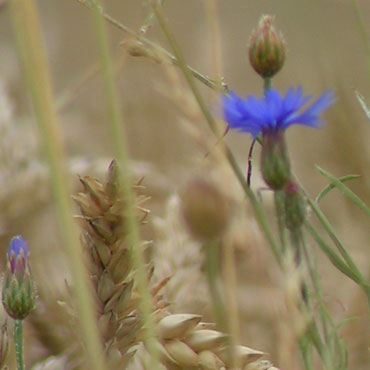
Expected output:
(273, 112)
(311, 116)
(233, 111)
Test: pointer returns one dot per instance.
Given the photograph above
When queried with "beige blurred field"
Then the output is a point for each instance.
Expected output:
(326, 50)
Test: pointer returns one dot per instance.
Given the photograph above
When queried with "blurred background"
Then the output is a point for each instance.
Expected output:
(326, 49)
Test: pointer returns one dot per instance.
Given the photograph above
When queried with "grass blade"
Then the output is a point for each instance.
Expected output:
(331, 186)
(361, 100)
(345, 190)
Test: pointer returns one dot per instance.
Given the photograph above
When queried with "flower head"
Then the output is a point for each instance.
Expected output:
(274, 112)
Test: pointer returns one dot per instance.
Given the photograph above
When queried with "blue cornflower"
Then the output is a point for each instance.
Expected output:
(273, 112)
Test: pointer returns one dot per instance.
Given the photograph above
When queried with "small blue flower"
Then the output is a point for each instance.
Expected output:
(273, 112)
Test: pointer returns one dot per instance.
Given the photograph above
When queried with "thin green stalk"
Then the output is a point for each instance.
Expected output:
(313, 333)
(212, 269)
(280, 214)
(32, 55)
(306, 352)
(18, 341)
(335, 259)
(330, 231)
(333, 355)
(258, 210)
(267, 83)
(345, 190)
(199, 76)
(120, 150)
(363, 30)
(149, 19)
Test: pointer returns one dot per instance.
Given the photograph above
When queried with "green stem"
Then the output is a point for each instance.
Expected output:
(199, 76)
(362, 29)
(267, 83)
(18, 341)
(212, 268)
(331, 356)
(120, 149)
(280, 214)
(32, 55)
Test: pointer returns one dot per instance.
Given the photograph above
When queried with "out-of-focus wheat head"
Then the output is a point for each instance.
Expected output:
(179, 256)
(104, 234)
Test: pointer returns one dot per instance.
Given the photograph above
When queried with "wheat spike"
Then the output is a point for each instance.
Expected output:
(111, 267)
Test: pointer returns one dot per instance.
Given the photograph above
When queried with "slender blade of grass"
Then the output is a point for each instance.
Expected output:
(345, 190)
(120, 149)
(33, 58)
(331, 186)
(332, 255)
(363, 104)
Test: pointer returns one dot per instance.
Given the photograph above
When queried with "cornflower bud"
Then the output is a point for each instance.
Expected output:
(266, 48)
(275, 164)
(295, 206)
(205, 209)
(18, 291)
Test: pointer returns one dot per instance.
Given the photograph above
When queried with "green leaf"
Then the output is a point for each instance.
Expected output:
(361, 100)
(331, 186)
(346, 191)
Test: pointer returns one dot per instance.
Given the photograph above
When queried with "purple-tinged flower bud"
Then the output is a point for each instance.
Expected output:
(275, 164)
(17, 254)
(266, 48)
(18, 291)
(205, 209)
(295, 206)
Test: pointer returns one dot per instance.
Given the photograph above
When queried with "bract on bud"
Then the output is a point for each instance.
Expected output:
(295, 206)
(275, 164)
(205, 209)
(266, 48)
(18, 291)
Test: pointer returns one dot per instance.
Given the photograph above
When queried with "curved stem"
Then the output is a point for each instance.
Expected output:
(249, 173)
(18, 341)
